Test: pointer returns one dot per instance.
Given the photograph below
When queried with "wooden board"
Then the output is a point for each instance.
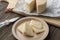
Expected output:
(53, 21)
(19, 36)
(6, 34)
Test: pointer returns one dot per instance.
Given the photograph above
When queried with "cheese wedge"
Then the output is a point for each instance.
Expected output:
(36, 24)
(37, 30)
(40, 5)
(11, 4)
(30, 4)
(26, 29)
(22, 27)
(29, 31)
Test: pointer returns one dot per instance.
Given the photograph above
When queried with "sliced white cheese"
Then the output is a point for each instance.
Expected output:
(21, 28)
(29, 31)
(26, 29)
(30, 5)
(40, 5)
(37, 30)
(35, 23)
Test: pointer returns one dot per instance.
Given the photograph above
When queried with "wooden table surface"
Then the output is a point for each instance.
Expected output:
(6, 31)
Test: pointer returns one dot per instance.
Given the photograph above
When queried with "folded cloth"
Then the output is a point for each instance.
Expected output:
(53, 8)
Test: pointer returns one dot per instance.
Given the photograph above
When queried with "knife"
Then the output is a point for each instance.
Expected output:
(6, 22)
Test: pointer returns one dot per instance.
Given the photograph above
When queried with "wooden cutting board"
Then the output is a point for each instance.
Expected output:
(53, 21)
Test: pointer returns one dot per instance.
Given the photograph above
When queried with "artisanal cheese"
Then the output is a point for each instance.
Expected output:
(11, 4)
(40, 5)
(36, 26)
(30, 4)
(26, 29)
(21, 28)
(35, 23)
(37, 30)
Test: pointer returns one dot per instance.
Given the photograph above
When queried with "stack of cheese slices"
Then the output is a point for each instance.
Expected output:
(39, 5)
(31, 28)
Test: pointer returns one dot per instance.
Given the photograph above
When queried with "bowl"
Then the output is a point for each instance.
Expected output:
(20, 36)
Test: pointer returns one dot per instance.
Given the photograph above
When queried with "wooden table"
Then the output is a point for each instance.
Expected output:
(6, 31)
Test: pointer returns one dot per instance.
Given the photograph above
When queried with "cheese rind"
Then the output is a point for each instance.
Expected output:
(40, 5)
(30, 5)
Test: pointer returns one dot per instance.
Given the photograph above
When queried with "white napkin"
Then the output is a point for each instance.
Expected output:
(53, 8)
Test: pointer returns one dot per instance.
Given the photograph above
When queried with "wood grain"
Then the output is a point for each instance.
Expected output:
(6, 34)
(52, 21)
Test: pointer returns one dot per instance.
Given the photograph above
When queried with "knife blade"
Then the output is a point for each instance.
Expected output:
(6, 22)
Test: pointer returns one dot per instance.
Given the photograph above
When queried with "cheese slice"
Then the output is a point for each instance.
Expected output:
(37, 30)
(21, 28)
(36, 24)
(30, 4)
(29, 31)
(40, 5)
(11, 4)
(26, 29)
